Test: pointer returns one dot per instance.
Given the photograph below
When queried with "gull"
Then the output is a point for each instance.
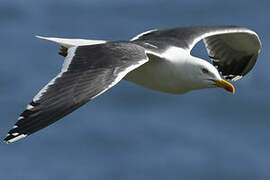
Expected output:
(156, 59)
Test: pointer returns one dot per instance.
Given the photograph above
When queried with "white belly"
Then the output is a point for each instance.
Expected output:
(157, 75)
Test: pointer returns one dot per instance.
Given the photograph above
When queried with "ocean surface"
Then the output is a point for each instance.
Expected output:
(129, 132)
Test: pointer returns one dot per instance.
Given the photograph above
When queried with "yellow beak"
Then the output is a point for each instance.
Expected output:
(226, 85)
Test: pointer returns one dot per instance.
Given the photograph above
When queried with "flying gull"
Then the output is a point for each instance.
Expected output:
(156, 59)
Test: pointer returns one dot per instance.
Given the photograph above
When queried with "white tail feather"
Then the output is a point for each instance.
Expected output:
(72, 42)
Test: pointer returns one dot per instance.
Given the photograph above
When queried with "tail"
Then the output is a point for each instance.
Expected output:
(72, 42)
(67, 43)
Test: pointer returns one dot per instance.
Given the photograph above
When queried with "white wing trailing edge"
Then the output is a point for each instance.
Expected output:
(142, 34)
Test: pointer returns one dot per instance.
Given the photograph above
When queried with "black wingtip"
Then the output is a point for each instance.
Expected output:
(13, 137)
(14, 134)
(8, 138)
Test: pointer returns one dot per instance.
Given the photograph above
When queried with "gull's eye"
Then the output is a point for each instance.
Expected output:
(205, 71)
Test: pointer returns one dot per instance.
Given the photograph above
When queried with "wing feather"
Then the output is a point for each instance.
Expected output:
(87, 72)
(234, 50)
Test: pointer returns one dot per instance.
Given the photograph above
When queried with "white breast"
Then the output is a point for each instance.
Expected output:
(161, 74)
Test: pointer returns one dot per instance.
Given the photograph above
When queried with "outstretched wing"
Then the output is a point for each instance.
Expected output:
(233, 50)
(87, 72)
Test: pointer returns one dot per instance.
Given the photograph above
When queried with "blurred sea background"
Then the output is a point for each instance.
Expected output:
(133, 133)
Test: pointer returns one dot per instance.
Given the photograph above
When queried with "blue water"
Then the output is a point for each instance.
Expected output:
(132, 133)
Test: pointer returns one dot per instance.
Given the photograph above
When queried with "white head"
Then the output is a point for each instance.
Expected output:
(201, 74)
